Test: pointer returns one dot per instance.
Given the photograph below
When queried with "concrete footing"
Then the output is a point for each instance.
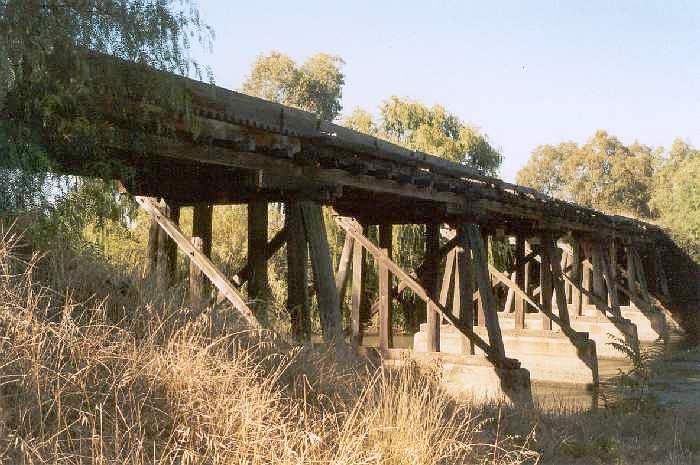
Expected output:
(598, 327)
(467, 376)
(650, 325)
(548, 355)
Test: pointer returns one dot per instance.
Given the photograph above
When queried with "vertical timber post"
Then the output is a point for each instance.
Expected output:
(598, 283)
(258, 287)
(385, 289)
(612, 270)
(324, 280)
(545, 283)
(152, 249)
(632, 276)
(297, 273)
(341, 277)
(576, 275)
(520, 281)
(483, 278)
(432, 245)
(463, 301)
(558, 279)
(202, 218)
(358, 292)
(167, 249)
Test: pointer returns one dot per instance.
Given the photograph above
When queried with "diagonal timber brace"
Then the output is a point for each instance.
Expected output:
(217, 278)
(353, 229)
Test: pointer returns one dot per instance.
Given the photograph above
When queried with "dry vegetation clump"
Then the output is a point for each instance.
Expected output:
(110, 370)
(100, 374)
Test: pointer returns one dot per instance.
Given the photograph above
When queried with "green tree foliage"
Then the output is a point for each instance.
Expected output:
(432, 130)
(676, 195)
(603, 174)
(634, 180)
(429, 129)
(54, 89)
(315, 86)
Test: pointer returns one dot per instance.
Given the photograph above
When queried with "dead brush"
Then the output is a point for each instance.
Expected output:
(78, 386)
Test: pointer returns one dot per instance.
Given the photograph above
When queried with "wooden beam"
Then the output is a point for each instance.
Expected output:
(520, 265)
(343, 274)
(151, 268)
(258, 284)
(576, 277)
(662, 281)
(546, 286)
(326, 292)
(202, 225)
(167, 249)
(463, 300)
(558, 280)
(598, 282)
(386, 300)
(447, 276)
(208, 268)
(631, 274)
(202, 217)
(358, 290)
(599, 302)
(641, 275)
(483, 279)
(297, 273)
(420, 291)
(198, 299)
(432, 246)
(608, 274)
(385, 333)
(271, 248)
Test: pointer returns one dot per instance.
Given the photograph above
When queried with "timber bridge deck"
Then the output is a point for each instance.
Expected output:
(596, 273)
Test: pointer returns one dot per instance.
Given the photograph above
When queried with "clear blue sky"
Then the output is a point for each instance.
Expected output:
(526, 73)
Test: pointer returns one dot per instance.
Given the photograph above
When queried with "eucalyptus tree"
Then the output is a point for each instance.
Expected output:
(55, 86)
(603, 174)
(432, 130)
(315, 86)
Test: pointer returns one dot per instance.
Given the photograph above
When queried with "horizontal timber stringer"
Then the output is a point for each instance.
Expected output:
(354, 230)
(234, 148)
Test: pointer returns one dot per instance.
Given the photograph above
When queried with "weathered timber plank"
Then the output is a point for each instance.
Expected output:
(151, 268)
(326, 292)
(271, 248)
(258, 284)
(343, 274)
(297, 273)
(358, 290)
(208, 268)
(385, 333)
(558, 281)
(354, 229)
(463, 301)
(481, 270)
(432, 246)
(546, 286)
(520, 264)
(576, 275)
(386, 301)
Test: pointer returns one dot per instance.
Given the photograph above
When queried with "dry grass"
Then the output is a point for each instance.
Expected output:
(83, 382)
(106, 370)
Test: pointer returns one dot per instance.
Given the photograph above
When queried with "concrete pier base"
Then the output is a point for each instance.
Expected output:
(467, 376)
(650, 325)
(548, 355)
(598, 327)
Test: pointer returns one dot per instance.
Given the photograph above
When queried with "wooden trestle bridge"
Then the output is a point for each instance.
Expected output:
(592, 269)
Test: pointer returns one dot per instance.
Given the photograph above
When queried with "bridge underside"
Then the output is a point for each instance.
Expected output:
(567, 258)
